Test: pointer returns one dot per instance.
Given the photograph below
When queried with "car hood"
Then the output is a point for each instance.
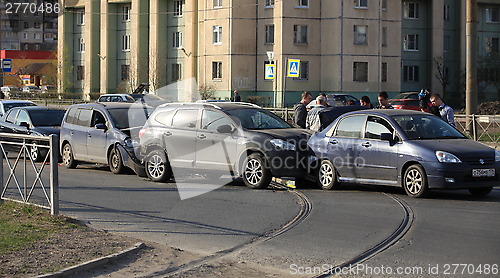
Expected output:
(47, 130)
(463, 148)
(286, 133)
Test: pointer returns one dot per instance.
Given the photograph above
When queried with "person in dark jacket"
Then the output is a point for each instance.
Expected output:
(300, 110)
(236, 97)
(383, 100)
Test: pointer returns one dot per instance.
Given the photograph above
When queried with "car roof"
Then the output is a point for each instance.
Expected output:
(37, 108)
(218, 105)
(389, 112)
(108, 105)
(113, 95)
(16, 101)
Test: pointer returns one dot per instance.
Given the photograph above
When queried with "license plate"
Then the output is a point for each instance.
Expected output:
(476, 173)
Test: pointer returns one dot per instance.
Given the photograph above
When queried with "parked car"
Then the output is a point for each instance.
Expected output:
(148, 99)
(414, 150)
(406, 95)
(103, 133)
(48, 89)
(10, 91)
(220, 138)
(6, 105)
(33, 120)
(31, 89)
(408, 104)
(116, 98)
(335, 100)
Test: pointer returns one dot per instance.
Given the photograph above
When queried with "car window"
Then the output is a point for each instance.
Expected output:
(257, 119)
(104, 99)
(46, 117)
(71, 119)
(97, 118)
(22, 117)
(11, 117)
(185, 118)
(84, 117)
(376, 126)
(165, 117)
(135, 116)
(422, 127)
(211, 120)
(350, 126)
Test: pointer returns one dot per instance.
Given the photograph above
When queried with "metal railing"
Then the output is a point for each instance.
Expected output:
(285, 113)
(16, 152)
(483, 128)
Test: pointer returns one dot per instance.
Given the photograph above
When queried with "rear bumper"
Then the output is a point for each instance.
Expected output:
(459, 176)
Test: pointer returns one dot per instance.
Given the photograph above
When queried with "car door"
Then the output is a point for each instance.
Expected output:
(79, 132)
(341, 144)
(216, 149)
(97, 138)
(377, 159)
(180, 140)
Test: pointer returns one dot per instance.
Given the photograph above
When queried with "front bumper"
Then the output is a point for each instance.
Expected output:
(131, 161)
(459, 176)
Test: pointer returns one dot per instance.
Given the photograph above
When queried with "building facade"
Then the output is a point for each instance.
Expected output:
(358, 47)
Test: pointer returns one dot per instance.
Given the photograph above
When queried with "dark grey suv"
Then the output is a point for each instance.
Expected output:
(218, 139)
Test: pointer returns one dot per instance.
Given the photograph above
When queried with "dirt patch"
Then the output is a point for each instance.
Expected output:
(489, 108)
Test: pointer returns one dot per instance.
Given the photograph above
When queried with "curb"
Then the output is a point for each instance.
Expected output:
(93, 263)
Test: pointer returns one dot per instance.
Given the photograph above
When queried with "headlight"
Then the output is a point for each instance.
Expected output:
(497, 155)
(128, 142)
(283, 145)
(445, 157)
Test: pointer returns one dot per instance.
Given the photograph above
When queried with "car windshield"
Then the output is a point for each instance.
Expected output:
(124, 118)
(426, 127)
(8, 106)
(146, 97)
(406, 96)
(258, 119)
(46, 117)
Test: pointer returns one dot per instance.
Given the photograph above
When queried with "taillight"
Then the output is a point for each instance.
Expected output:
(141, 132)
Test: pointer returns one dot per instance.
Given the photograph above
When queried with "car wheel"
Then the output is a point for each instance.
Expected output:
(255, 173)
(36, 154)
(67, 157)
(481, 191)
(157, 166)
(327, 175)
(415, 181)
(115, 162)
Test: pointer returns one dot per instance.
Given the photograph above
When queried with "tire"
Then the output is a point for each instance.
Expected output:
(67, 157)
(327, 175)
(36, 153)
(255, 173)
(115, 162)
(480, 191)
(157, 166)
(415, 181)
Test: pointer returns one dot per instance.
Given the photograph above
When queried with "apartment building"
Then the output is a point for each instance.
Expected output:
(358, 47)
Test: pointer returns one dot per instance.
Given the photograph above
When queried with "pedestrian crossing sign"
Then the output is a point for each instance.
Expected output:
(293, 68)
(269, 75)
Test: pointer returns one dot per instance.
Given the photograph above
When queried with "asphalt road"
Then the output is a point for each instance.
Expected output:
(450, 227)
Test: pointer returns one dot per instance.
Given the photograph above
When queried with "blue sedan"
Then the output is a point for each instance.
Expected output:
(415, 150)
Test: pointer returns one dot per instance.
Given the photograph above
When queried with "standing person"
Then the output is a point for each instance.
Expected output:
(445, 111)
(424, 98)
(300, 110)
(365, 101)
(326, 99)
(236, 97)
(312, 121)
(383, 100)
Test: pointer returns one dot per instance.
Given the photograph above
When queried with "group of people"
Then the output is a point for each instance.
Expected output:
(428, 103)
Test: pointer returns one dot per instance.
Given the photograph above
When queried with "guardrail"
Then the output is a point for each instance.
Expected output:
(285, 113)
(483, 128)
(16, 153)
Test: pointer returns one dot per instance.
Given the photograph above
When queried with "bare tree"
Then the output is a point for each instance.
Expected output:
(441, 73)
(207, 91)
(489, 70)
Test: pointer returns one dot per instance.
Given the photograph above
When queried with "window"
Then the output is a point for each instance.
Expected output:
(176, 72)
(178, 8)
(384, 4)
(25, 36)
(11, 118)
(269, 3)
(303, 3)
(126, 43)
(446, 43)
(384, 36)
(446, 11)
(492, 15)
(37, 36)
(269, 34)
(125, 72)
(360, 34)
(300, 34)
(492, 45)
(211, 120)
(185, 118)
(304, 71)
(411, 10)
(216, 70)
(37, 25)
(361, 4)
(80, 73)
(177, 40)
(71, 118)
(217, 38)
(37, 47)
(83, 117)
(81, 45)
(26, 25)
(410, 42)
(410, 73)
(217, 3)
(384, 73)
(350, 127)
(375, 126)
(97, 118)
(360, 71)
(80, 18)
(126, 13)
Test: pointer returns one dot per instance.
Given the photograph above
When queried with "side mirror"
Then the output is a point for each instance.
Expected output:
(386, 137)
(25, 124)
(225, 129)
(101, 126)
